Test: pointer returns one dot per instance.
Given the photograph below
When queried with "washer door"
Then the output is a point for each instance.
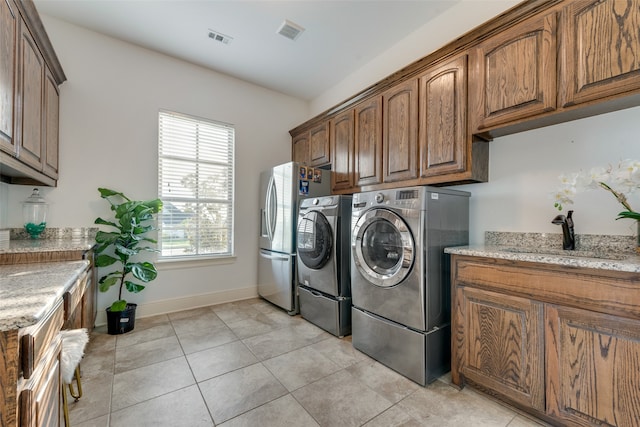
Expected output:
(383, 247)
(314, 240)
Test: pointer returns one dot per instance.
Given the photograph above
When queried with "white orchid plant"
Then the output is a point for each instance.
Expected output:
(620, 181)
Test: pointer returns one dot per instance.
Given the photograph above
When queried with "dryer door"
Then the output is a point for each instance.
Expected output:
(315, 240)
(383, 248)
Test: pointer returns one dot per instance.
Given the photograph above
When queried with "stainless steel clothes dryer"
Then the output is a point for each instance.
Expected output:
(323, 247)
(400, 276)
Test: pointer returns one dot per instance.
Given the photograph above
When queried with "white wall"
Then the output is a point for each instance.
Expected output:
(451, 24)
(108, 138)
(524, 170)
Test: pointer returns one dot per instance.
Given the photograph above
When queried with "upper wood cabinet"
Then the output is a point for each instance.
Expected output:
(300, 148)
(515, 73)
(600, 50)
(368, 142)
(342, 151)
(443, 132)
(29, 98)
(400, 132)
(8, 32)
(540, 63)
(30, 101)
(312, 147)
(319, 146)
(50, 126)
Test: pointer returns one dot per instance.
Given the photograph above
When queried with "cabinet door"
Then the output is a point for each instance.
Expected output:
(500, 344)
(51, 121)
(342, 151)
(593, 367)
(90, 294)
(301, 148)
(319, 145)
(8, 31)
(400, 132)
(31, 70)
(368, 138)
(443, 118)
(40, 399)
(516, 73)
(600, 46)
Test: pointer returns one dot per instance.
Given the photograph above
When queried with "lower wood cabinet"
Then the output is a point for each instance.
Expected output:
(30, 356)
(562, 343)
(593, 367)
(39, 403)
(501, 344)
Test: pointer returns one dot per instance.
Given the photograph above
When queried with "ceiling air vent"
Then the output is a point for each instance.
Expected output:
(219, 37)
(290, 30)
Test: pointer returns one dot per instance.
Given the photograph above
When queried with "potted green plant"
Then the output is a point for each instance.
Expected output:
(132, 221)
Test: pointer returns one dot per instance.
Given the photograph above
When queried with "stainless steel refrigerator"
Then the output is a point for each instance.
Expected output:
(281, 189)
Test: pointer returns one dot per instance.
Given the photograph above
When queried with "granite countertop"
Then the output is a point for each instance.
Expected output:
(51, 240)
(46, 245)
(28, 291)
(615, 253)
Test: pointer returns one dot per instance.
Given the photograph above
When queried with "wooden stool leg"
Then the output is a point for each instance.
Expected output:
(77, 395)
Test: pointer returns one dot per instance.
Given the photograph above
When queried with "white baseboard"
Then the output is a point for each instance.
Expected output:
(186, 303)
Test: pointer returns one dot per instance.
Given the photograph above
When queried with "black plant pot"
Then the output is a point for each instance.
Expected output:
(120, 322)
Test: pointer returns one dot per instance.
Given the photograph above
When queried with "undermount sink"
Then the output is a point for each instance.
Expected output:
(567, 253)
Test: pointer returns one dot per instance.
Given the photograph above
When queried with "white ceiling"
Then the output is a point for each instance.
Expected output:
(339, 36)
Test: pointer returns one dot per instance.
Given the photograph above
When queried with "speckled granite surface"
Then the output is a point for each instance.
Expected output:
(56, 233)
(616, 253)
(51, 240)
(598, 242)
(45, 245)
(27, 291)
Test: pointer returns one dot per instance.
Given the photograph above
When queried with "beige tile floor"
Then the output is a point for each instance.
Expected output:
(250, 364)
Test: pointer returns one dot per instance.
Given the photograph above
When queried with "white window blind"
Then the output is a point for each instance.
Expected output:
(196, 171)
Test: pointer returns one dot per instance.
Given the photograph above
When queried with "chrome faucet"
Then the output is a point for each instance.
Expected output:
(568, 237)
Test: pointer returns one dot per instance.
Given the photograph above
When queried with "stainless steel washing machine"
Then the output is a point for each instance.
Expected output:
(323, 248)
(400, 276)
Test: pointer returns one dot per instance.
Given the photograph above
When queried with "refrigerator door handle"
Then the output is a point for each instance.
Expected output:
(270, 204)
(263, 224)
(267, 255)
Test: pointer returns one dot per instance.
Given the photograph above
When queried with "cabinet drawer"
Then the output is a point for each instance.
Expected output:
(37, 338)
(73, 296)
(40, 396)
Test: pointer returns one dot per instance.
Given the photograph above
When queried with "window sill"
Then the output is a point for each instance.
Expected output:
(175, 263)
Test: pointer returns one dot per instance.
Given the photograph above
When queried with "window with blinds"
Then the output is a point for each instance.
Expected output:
(195, 178)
